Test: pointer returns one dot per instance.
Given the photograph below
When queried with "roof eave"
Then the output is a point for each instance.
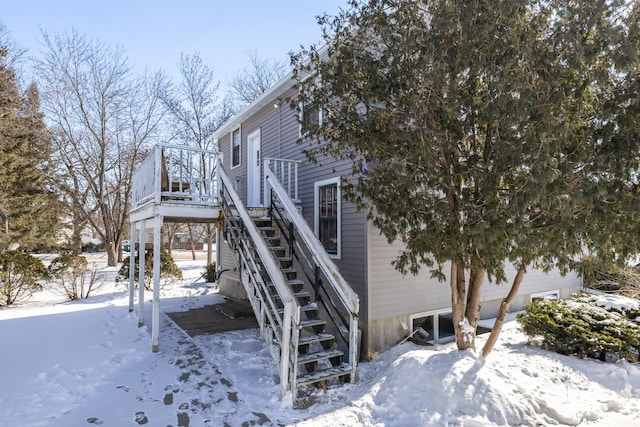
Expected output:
(263, 100)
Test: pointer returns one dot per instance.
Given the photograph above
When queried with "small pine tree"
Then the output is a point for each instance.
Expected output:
(169, 271)
(210, 273)
(20, 274)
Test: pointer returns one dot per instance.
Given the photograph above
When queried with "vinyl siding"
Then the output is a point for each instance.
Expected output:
(391, 294)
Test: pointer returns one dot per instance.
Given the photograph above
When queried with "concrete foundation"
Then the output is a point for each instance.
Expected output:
(229, 286)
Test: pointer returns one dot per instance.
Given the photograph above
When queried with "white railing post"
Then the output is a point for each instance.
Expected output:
(285, 347)
(353, 347)
(295, 196)
(157, 174)
(265, 175)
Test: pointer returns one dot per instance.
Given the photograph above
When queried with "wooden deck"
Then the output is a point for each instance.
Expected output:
(214, 319)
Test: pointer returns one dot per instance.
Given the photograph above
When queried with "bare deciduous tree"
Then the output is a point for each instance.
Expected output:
(256, 78)
(196, 112)
(102, 116)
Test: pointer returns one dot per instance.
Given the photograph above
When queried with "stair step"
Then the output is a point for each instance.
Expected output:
(267, 229)
(313, 338)
(305, 308)
(291, 282)
(314, 377)
(309, 323)
(320, 355)
(298, 294)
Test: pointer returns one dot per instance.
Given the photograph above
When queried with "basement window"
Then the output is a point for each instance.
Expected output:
(433, 327)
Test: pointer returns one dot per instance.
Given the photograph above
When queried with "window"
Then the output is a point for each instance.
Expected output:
(311, 116)
(547, 296)
(433, 327)
(327, 215)
(235, 148)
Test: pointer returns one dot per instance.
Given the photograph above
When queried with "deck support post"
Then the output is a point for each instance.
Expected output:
(155, 320)
(132, 265)
(141, 253)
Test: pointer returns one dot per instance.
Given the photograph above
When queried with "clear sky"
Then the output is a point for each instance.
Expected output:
(155, 32)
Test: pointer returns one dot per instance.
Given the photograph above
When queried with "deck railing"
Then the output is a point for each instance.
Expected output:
(176, 173)
(286, 172)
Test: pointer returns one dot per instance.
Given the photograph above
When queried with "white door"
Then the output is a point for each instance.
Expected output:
(253, 169)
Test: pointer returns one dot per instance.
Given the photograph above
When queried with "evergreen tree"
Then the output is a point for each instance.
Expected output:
(25, 197)
(483, 133)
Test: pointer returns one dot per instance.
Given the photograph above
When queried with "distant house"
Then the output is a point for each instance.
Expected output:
(391, 305)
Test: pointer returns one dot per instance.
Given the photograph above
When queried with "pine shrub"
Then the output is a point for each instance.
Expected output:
(169, 271)
(210, 274)
(584, 326)
(20, 275)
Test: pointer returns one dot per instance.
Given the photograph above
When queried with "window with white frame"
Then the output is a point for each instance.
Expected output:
(327, 215)
(310, 111)
(547, 296)
(311, 116)
(433, 327)
(235, 148)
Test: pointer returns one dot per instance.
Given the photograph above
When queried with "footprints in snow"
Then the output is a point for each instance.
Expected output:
(196, 374)
(141, 418)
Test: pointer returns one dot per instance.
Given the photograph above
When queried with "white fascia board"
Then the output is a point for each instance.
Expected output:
(263, 100)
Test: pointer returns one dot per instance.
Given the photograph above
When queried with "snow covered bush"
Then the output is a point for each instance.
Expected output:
(20, 274)
(169, 271)
(72, 275)
(604, 327)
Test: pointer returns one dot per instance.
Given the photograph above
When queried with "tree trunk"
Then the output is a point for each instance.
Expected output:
(472, 311)
(112, 254)
(502, 313)
(193, 245)
(211, 230)
(458, 292)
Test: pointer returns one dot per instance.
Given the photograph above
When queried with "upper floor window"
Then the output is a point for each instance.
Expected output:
(311, 116)
(235, 148)
(327, 215)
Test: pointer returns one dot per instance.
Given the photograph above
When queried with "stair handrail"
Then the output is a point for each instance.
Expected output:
(291, 315)
(347, 295)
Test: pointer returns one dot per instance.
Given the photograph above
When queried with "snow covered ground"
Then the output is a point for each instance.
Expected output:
(86, 362)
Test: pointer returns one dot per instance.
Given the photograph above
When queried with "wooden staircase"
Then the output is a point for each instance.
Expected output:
(307, 312)
(317, 357)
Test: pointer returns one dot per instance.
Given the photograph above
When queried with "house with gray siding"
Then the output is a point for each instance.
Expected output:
(264, 139)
